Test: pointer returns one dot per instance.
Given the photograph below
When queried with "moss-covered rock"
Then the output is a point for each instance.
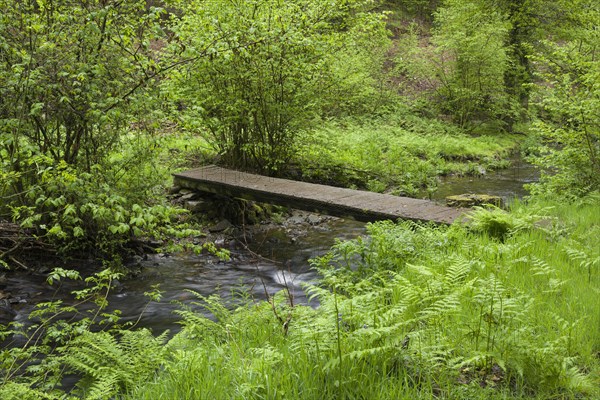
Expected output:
(472, 200)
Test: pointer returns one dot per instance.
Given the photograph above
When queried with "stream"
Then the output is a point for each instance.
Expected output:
(506, 183)
(283, 262)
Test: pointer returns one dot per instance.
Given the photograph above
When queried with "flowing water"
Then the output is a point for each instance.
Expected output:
(283, 262)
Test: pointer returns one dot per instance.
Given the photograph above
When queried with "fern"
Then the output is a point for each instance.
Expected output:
(21, 391)
(587, 261)
(457, 272)
(500, 224)
(109, 366)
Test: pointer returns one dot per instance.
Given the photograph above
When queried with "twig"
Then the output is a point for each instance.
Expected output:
(11, 250)
(20, 264)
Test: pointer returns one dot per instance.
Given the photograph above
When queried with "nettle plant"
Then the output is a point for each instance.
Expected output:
(77, 212)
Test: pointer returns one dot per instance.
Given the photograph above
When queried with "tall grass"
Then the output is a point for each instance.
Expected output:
(415, 312)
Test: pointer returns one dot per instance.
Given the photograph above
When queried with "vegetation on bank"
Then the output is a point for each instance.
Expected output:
(506, 307)
(95, 88)
(101, 100)
(401, 153)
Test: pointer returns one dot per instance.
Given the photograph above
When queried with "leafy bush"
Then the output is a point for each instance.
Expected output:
(470, 37)
(78, 213)
(569, 125)
(72, 72)
(271, 66)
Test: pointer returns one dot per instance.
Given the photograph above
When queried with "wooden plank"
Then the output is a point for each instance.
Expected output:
(361, 205)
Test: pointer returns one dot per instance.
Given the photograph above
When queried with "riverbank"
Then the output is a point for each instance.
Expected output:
(421, 311)
(401, 154)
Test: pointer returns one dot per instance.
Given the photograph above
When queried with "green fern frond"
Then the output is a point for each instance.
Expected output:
(578, 382)
(541, 267)
(213, 304)
(587, 261)
(441, 306)
(421, 270)
(23, 391)
(108, 365)
(104, 388)
(457, 272)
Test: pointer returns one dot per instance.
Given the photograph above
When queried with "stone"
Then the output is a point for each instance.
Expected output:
(220, 226)
(174, 189)
(189, 196)
(198, 206)
(296, 220)
(472, 200)
(314, 219)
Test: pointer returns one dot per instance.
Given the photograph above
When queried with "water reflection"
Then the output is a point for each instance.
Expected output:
(506, 183)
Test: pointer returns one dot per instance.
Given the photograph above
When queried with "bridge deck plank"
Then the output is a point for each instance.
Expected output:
(361, 205)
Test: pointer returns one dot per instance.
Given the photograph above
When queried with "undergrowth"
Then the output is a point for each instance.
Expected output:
(400, 153)
(111, 211)
(506, 307)
(413, 311)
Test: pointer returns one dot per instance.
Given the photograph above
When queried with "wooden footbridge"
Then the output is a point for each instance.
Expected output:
(360, 205)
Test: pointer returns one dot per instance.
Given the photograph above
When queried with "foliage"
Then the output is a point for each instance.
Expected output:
(408, 311)
(413, 311)
(82, 338)
(110, 366)
(470, 39)
(70, 71)
(504, 307)
(477, 67)
(500, 224)
(401, 153)
(272, 66)
(77, 120)
(114, 211)
(79, 213)
(422, 9)
(470, 314)
(525, 18)
(569, 99)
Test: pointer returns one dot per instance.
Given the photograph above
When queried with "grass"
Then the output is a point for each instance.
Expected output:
(415, 312)
(398, 153)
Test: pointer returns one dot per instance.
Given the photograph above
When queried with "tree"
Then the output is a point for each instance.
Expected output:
(75, 87)
(470, 38)
(423, 9)
(568, 103)
(69, 71)
(272, 68)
